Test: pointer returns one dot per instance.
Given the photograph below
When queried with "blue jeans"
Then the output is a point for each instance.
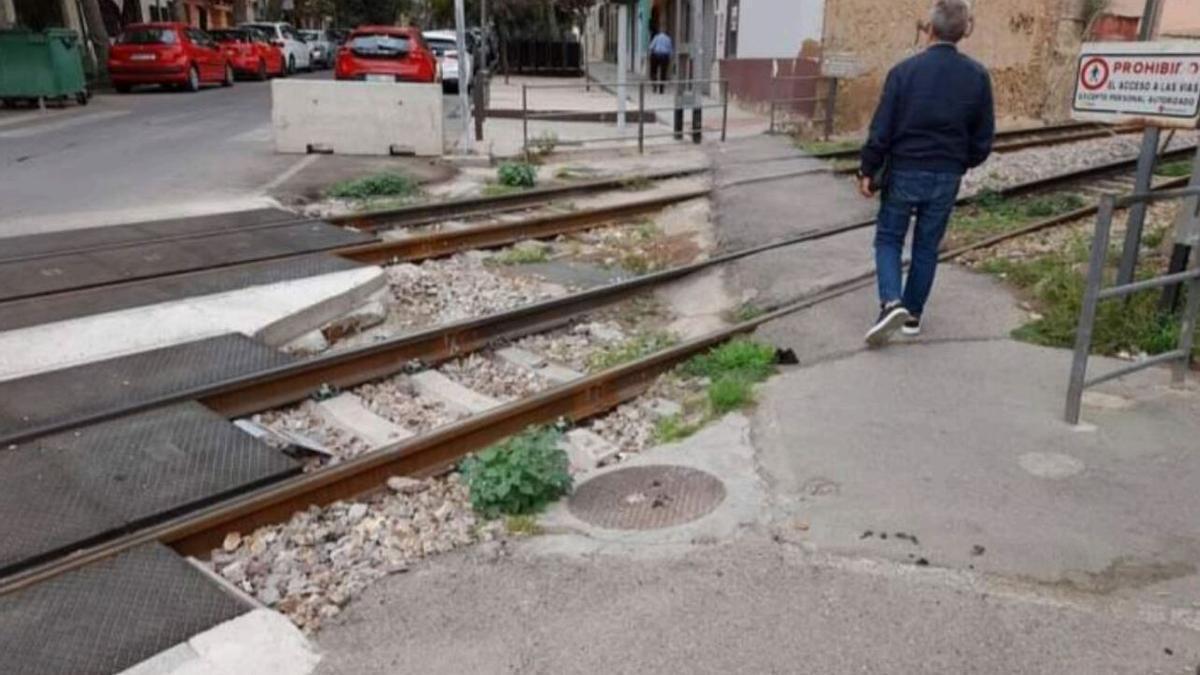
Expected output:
(930, 196)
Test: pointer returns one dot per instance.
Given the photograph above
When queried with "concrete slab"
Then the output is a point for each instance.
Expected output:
(357, 118)
(554, 372)
(699, 303)
(274, 313)
(433, 384)
(956, 439)
(348, 412)
(260, 641)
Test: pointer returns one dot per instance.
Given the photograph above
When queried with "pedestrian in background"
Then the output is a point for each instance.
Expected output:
(935, 120)
(661, 48)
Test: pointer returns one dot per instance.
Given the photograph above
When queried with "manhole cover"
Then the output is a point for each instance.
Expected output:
(646, 497)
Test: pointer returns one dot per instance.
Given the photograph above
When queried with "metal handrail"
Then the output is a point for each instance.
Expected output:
(697, 106)
(1094, 292)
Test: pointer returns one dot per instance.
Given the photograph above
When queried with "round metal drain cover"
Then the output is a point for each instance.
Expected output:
(646, 497)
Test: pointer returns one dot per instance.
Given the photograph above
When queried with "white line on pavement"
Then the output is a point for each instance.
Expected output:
(62, 124)
(292, 171)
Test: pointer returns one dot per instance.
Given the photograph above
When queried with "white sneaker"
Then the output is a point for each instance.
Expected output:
(891, 318)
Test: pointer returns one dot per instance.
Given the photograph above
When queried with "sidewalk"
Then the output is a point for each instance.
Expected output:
(920, 508)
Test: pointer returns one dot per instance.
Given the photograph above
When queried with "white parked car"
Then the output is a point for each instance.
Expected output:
(444, 45)
(296, 53)
(320, 47)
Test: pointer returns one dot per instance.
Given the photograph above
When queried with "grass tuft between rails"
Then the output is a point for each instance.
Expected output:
(821, 147)
(731, 370)
(1177, 169)
(990, 214)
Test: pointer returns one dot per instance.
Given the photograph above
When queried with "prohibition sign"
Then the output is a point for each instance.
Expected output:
(1094, 73)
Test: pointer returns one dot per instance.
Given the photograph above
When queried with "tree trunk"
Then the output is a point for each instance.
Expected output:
(93, 18)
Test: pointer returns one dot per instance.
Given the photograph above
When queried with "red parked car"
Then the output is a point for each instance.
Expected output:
(169, 54)
(386, 54)
(250, 52)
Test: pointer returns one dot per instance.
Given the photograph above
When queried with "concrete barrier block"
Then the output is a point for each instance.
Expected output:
(357, 118)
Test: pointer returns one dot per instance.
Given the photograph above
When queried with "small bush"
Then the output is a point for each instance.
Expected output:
(749, 360)
(519, 476)
(379, 185)
(517, 174)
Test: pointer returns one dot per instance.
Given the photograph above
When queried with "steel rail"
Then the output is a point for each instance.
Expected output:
(199, 532)
(1038, 136)
(424, 214)
(429, 245)
(448, 242)
(414, 215)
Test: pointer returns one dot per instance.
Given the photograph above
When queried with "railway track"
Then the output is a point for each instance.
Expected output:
(199, 531)
(239, 396)
(1011, 140)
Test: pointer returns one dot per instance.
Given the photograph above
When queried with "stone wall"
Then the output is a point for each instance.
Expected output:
(1028, 45)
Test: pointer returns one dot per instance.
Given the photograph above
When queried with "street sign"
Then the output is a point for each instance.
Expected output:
(1155, 83)
(841, 65)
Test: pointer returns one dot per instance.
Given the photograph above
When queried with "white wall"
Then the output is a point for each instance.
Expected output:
(778, 28)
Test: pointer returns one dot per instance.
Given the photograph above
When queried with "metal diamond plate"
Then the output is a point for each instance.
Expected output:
(124, 235)
(34, 311)
(646, 497)
(110, 615)
(61, 492)
(62, 396)
(23, 278)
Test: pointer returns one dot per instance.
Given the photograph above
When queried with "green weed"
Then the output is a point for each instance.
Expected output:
(518, 476)
(991, 214)
(673, 428)
(632, 349)
(525, 525)
(517, 174)
(390, 184)
(1174, 169)
(747, 359)
(822, 147)
(525, 253)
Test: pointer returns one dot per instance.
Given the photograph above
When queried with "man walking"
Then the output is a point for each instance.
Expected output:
(934, 121)
(660, 60)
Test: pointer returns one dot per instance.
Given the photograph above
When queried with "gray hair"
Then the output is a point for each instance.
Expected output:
(950, 19)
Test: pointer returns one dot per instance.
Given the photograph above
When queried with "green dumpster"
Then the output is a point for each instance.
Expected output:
(40, 66)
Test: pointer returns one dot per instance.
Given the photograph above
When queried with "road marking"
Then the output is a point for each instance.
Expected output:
(292, 171)
(62, 124)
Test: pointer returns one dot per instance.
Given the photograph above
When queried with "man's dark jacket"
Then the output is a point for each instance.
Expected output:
(935, 115)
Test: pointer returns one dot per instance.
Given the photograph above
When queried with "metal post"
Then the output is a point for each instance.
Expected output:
(622, 62)
(641, 116)
(525, 118)
(1187, 238)
(1137, 212)
(830, 107)
(464, 74)
(724, 108)
(774, 82)
(1187, 330)
(1087, 316)
(678, 121)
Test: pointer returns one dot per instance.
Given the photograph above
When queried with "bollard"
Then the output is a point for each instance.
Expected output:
(697, 124)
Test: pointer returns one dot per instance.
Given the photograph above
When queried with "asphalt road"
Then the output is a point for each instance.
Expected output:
(150, 154)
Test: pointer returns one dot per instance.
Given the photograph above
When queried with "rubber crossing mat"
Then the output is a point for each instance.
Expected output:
(47, 309)
(110, 615)
(46, 402)
(58, 273)
(63, 492)
(33, 245)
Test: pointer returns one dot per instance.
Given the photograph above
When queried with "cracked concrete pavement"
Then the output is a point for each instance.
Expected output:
(920, 508)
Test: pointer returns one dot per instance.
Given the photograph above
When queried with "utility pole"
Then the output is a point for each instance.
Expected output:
(622, 62)
(93, 19)
(1145, 165)
(464, 75)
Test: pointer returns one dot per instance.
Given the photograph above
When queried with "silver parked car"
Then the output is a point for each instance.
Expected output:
(321, 47)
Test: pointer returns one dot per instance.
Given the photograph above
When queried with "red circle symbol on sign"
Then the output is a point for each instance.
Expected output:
(1094, 73)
